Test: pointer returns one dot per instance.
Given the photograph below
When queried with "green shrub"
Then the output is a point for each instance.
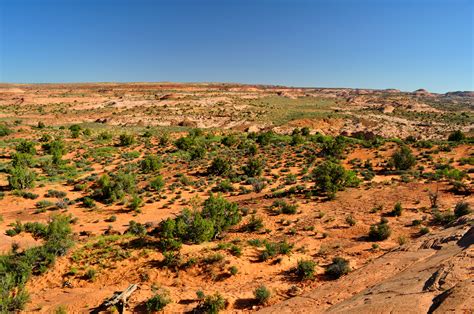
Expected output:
(157, 183)
(403, 159)
(136, 228)
(254, 224)
(262, 294)
(397, 210)
(53, 147)
(461, 209)
(21, 178)
(135, 203)
(150, 163)
(338, 268)
(88, 202)
(17, 268)
(219, 167)
(22, 160)
(424, 230)
(217, 216)
(75, 130)
(443, 218)
(4, 130)
(305, 269)
(56, 149)
(272, 249)
(224, 186)
(197, 152)
(379, 232)
(26, 147)
(331, 177)
(90, 274)
(104, 136)
(212, 304)
(233, 270)
(285, 208)
(56, 194)
(126, 139)
(229, 140)
(158, 302)
(351, 220)
(456, 136)
(333, 147)
(113, 188)
(254, 167)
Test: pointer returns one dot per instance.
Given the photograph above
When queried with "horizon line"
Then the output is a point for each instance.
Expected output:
(228, 83)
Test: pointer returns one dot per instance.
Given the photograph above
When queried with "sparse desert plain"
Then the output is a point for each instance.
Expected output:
(235, 198)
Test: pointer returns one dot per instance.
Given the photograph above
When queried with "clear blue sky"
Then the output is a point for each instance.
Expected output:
(405, 44)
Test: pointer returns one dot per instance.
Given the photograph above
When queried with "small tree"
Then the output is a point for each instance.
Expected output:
(254, 167)
(26, 147)
(456, 136)
(333, 147)
(331, 177)
(219, 167)
(403, 159)
(21, 178)
(150, 163)
(22, 160)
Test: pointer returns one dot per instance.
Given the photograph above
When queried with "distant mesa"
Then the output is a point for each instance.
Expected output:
(460, 94)
(422, 91)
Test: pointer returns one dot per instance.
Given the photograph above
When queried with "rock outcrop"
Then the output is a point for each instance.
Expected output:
(433, 274)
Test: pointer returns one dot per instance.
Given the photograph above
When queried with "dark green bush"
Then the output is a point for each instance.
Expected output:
(338, 268)
(104, 136)
(4, 130)
(217, 216)
(136, 228)
(456, 136)
(331, 177)
(403, 159)
(262, 294)
(219, 167)
(22, 160)
(397, 210)
(112, 188)
(212, 304)
(88, 202)
(126, 139)
(333, 147)
(379, 232)
(16, 268)
(254, 224)
(21, 178)
(305, 269)
(150, 163)
(284, 207)
(254, 167)
(158, 302)
(26, 147)
(461, 209)
(157, 183)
